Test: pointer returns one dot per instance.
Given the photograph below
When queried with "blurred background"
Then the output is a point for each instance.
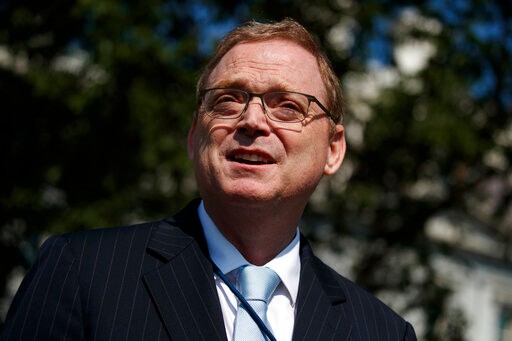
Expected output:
(96, 98)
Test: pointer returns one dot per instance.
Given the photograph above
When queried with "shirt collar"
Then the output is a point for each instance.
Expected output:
(286, 264)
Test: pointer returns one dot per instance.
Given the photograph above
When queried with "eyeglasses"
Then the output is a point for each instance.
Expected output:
(279, 106)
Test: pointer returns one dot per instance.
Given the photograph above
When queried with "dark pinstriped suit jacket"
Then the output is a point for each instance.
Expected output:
(154, 282)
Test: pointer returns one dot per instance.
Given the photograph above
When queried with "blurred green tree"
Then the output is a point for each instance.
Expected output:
(97, 98)
(96, 101)
(428, 88)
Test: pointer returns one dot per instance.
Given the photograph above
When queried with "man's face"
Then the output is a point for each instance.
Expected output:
(252, 159)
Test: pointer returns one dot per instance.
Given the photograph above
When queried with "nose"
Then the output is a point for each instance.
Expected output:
(254, 121)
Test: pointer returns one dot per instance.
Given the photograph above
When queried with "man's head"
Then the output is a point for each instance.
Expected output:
(286, 29)
(242, 150)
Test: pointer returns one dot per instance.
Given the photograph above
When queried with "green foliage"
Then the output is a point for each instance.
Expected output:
(97, 98)
(419, 146)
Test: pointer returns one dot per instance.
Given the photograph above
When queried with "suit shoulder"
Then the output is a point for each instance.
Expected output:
(105, 238)
(350, 288)
(368, 309)
(107, 233)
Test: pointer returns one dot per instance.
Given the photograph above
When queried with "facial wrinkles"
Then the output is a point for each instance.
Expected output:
(257, 75)
(250, 81)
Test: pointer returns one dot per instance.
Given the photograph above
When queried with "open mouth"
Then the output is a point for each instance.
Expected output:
(250, 159)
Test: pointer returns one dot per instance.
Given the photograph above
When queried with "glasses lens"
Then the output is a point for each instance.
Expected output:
(224, 103)
(286, 106)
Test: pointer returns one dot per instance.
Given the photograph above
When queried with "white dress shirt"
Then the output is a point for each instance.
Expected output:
(281, 308)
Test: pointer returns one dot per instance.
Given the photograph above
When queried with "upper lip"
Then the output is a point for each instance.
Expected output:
(248, 155)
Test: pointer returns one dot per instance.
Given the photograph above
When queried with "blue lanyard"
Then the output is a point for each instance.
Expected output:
(244, 302)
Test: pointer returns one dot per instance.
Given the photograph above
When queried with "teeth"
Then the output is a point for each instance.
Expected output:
(251, 158)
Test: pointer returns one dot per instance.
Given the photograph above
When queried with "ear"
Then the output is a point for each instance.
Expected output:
(191, 138)
(336, 152)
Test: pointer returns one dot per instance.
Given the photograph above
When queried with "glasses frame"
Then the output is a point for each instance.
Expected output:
(250, 95)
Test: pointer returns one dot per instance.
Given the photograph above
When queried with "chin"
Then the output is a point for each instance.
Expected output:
(249, 193)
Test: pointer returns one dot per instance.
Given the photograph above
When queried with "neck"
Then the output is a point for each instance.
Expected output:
(258, 233)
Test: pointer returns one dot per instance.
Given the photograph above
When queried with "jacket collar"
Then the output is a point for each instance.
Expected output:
(319, 302)
(183, 289)
(176, 233)
(182, 285)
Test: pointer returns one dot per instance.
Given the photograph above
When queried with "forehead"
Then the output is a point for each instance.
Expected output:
(269, 65)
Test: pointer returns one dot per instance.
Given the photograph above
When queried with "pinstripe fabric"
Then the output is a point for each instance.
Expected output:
(330, 307)
(153, 282)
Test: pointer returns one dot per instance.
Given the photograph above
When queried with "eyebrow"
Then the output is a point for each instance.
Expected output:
(242, 84)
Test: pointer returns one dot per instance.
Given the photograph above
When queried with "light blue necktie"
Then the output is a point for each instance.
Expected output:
(256, 284)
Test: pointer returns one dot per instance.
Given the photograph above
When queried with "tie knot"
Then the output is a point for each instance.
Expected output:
(258, 282)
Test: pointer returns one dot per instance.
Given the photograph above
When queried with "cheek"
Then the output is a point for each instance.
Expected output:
(309, 143)
(204, 138)
(310, 154)
(208, 148)
(214, 133)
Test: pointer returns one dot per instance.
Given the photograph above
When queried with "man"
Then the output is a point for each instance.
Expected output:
(267, 128)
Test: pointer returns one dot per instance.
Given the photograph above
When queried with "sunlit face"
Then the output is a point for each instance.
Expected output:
(252, 159)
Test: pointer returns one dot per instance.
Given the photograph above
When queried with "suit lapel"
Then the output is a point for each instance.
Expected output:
(319, 300)
(184, 293)
(182, 287)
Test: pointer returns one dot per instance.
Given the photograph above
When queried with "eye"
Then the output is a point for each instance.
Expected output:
(224, 103)
(227, 96)
(286, 106)
(289, 105)
(286, 100)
